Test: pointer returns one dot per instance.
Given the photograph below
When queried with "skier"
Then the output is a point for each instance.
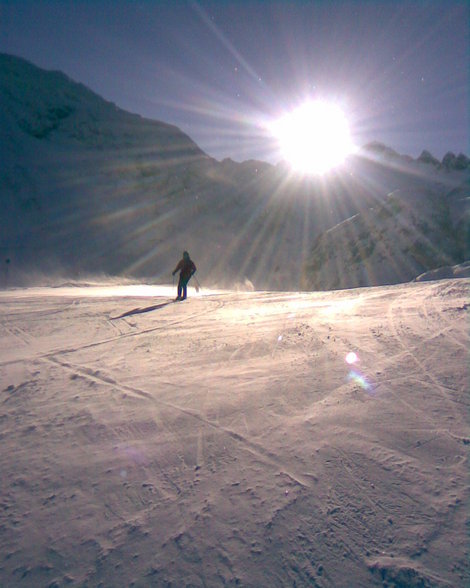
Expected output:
(186, 268)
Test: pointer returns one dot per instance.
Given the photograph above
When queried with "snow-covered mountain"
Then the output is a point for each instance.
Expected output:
(88, 188)
(409, 233)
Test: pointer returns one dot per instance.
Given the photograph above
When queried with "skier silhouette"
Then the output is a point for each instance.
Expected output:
(186, 268)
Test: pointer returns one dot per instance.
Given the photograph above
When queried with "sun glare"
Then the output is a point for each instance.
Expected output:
(313, 138)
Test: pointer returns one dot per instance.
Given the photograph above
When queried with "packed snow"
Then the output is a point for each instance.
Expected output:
(236, 438)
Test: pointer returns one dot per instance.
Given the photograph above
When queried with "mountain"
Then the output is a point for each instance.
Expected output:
(416, 231)
(78, 172)
(411, 232)
(87, 188)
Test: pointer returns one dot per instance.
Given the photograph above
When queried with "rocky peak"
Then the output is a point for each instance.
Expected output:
(452, 162)
(427, 157)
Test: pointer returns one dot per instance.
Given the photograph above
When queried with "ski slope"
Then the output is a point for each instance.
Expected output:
(250, 439)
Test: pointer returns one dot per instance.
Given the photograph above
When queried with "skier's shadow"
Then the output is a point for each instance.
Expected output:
(142, 310)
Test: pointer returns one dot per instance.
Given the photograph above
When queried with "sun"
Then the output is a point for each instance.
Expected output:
(313, 138)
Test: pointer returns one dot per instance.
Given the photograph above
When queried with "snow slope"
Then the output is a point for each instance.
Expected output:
(226, 440)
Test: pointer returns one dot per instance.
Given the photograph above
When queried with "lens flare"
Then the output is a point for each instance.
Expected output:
(360, 380)
(351, 358)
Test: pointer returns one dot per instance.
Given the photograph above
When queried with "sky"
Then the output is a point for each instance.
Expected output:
(222, 70)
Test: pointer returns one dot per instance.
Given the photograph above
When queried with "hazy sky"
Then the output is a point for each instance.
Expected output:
(220, 69)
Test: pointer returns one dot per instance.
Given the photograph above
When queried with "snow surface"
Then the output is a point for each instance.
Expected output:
(234, 438)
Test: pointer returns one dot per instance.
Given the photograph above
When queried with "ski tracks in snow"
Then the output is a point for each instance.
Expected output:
(256, 449)
(262, 432)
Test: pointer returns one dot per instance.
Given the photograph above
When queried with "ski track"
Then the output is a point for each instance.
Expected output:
(108, 340)
(351, 488)
(427, 375)
(20, 334)
(255, 448)
(438, 309)
(424, 376)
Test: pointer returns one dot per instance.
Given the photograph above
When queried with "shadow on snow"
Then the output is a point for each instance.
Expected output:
(142, 310)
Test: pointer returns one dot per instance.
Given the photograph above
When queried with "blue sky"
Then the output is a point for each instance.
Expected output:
(220, 69)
